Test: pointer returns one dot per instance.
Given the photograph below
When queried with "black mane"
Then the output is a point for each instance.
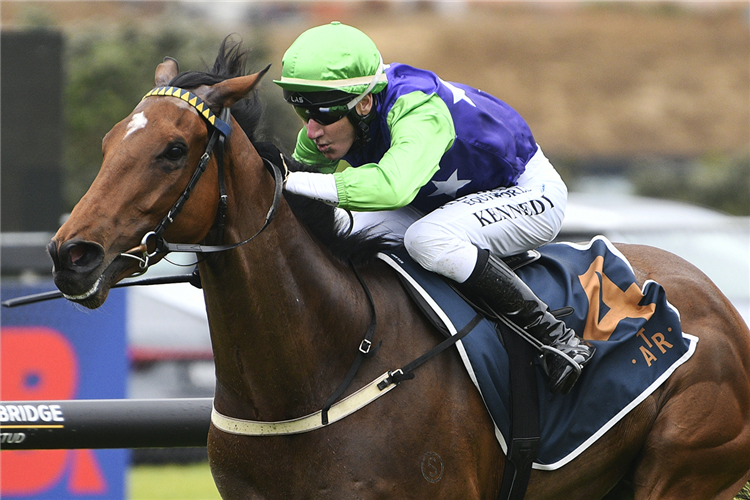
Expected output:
(319, 218)
(230, 63)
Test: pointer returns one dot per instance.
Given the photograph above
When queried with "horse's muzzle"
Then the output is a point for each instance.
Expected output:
(75, 265)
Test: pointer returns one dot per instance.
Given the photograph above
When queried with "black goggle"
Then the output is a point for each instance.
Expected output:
(324, 116)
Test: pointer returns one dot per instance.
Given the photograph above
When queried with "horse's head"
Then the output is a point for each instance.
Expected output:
(149, 159)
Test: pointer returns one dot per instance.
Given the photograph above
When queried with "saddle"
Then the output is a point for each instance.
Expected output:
(636, 331)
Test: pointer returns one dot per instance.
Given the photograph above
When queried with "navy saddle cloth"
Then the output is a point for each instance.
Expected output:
(636, 332)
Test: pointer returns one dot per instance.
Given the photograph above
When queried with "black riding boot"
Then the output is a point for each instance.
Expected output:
(495, 285)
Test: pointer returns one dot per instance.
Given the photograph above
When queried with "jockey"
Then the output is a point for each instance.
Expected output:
(449, 170)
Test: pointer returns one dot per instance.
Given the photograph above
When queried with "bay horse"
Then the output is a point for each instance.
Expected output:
(287, 313)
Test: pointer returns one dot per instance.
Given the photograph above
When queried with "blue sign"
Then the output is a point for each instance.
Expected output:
(56, 350)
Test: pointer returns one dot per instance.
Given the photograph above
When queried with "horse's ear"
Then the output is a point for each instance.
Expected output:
(228, 92)
(166, 71)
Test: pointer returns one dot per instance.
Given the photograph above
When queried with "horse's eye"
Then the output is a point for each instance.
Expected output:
(174, 153)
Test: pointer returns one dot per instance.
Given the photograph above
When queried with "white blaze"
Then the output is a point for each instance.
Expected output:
(138, 122)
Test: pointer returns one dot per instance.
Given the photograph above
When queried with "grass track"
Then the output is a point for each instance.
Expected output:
(194, 482)
(171, 482)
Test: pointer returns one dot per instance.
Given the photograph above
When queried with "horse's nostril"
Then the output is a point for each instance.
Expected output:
(76, 253)
(81, 256)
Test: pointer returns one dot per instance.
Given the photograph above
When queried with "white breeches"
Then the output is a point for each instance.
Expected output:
(504, 221)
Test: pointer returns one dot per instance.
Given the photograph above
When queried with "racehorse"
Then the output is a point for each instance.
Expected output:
(289, 308)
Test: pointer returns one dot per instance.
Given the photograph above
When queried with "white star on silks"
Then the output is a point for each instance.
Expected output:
(458, 94)
(449, 186)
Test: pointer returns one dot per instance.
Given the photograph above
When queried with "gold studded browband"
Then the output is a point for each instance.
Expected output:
(195, 102)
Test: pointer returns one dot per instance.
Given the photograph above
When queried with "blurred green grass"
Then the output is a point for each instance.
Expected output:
(171, 482)
(194, 482)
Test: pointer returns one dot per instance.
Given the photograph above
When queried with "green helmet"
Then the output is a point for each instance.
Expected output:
(333, 59)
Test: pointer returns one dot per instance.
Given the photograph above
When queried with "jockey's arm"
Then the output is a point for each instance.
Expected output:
(421, 132)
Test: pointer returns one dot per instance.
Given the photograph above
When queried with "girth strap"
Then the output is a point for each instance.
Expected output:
(523, 446)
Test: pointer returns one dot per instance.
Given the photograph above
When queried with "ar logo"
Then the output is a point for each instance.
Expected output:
(647, 350)
(601, 291)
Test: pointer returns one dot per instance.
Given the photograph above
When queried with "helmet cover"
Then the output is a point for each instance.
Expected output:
(332, 57)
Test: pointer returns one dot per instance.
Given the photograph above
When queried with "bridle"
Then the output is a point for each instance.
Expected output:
(153, 242)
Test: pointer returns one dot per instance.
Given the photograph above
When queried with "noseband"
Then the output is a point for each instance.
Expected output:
(221, 131)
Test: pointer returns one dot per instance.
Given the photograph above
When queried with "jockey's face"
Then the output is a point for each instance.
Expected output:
(335, 140)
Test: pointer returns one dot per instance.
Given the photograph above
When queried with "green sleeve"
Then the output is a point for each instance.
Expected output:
(306, 152)
(421, 132)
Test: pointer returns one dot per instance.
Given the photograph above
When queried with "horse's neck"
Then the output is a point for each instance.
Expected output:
(280, 311)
